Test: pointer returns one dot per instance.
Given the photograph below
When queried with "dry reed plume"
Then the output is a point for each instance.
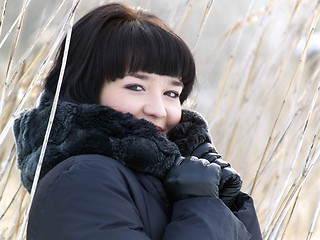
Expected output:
(259, 81)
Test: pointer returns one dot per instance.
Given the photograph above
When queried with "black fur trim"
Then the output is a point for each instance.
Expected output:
(88, 128)
(191, 132)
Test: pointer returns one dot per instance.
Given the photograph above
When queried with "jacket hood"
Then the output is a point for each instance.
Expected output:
(88, 128)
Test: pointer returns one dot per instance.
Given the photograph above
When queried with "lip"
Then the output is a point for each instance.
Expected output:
(159, 128)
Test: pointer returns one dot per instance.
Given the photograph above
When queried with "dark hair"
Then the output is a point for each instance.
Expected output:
(114, 40)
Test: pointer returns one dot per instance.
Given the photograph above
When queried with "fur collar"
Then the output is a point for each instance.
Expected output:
(190, 133)
(88, 128)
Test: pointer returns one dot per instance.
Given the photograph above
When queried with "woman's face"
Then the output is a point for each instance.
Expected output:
(144, 95)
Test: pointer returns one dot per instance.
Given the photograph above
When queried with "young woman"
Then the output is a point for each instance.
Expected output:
(124, 161)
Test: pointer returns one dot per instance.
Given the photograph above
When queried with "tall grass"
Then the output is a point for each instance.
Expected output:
(258, 86)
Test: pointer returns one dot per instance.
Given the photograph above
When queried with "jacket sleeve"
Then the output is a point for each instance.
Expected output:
(244, 210)
(209, 216)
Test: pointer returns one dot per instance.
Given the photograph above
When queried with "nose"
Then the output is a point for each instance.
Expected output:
(155, 107)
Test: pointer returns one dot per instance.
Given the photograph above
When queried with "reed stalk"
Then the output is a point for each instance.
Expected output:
(3, 13)
(313, 222)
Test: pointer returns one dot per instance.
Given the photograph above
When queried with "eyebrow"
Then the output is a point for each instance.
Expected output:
(146, 77)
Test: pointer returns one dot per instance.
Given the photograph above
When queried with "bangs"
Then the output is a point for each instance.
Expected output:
(147, 47)
(157, 51)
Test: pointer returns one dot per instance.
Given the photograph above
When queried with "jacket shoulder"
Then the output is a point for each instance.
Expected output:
(87, 168)
(82, 198)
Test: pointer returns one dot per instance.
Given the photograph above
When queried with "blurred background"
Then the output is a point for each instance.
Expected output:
(258, 84)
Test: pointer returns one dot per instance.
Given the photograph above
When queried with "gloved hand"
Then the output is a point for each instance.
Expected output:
(192, 177)
(192, 137)
(231, 182)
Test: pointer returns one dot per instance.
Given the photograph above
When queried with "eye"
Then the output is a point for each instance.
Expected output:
(134, 87)
(172, 94)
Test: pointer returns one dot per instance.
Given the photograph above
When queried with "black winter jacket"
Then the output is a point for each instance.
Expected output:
(101, 179)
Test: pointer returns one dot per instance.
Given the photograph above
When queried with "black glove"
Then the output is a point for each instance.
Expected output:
(192, 177)
(192, 137)
(231, 182)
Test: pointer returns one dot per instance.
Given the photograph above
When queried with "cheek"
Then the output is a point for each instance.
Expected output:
(125, 106)
(116, 100)
(174, 116)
